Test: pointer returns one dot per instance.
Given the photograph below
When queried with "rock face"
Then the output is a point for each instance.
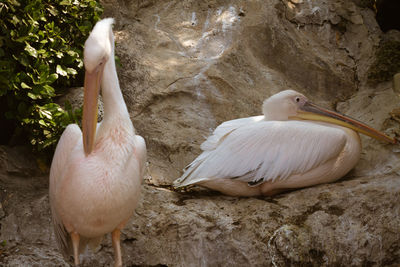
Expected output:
(187, 66)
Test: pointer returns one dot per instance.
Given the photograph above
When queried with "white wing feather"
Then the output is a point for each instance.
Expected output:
(226, 128)
(71, 135)
(256, 151)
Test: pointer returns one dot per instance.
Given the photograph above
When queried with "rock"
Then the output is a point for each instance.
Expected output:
(396, 83)
(187, 66)
(2, 214)
(333, 224)
(17, 161)
(181, 80)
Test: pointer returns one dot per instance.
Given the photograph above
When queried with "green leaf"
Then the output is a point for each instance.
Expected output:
(33, 78)
(59, 54)
(14, 3)
(22, 39)
(65, 3)
(33, 96)
(72, 71)
(42, 52)
(23, 59)
(25, 86)
(52, 77)
(41, 122)
(61, 71)
(15, 20)
(45, 113)
(31, 51)
(49, 90)
(49, 142)
(72, 53)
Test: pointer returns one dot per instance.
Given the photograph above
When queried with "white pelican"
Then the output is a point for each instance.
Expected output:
(95, 176)
(294, 144)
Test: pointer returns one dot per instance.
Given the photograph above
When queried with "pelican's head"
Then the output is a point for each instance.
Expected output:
(291, 105)
(98, 50)
(281, 106)
(98, 46)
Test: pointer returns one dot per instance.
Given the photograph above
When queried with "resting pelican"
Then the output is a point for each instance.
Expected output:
(295, 144)
(95, 176)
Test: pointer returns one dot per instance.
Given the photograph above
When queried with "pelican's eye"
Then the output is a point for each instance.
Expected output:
(297, 99)
(100, 64)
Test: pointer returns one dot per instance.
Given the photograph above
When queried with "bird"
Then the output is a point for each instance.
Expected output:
(96, 174)
(294, 144)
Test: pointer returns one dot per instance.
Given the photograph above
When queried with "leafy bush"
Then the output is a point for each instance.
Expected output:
(41, 44)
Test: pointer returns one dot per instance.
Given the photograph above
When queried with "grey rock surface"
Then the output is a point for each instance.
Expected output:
(187, 66)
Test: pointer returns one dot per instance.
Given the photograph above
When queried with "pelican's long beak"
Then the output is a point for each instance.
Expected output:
(89, 120)
(311, 111)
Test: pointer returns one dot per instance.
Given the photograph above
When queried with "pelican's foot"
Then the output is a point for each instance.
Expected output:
(75, 247)
(117, 247)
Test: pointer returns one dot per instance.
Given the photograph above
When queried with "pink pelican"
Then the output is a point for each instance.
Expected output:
(96, 174)
(294, 144)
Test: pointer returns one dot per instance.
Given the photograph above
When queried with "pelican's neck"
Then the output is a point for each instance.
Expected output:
(275, 117)
(113, 101)
(272, 111)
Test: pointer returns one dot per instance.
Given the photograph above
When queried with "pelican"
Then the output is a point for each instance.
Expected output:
(96, 174)
(294, 144)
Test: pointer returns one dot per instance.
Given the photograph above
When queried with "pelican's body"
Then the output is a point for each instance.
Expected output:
(286, 148)
(96, 175)
(96, 193)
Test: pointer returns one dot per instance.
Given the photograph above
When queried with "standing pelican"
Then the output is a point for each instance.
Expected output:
(95, 176)
(295, 144)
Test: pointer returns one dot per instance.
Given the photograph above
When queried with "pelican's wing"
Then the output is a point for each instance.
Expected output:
(225, 129)
(141, 153)
(134, 169)
(264, 151)
(67, 142)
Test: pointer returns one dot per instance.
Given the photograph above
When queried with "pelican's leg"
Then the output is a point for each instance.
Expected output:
(117, 247)
(231, 187)
(271, 189)
(75, 246)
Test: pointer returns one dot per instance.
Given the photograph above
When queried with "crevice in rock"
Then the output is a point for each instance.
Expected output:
(157, 97)
(172, 83)
(129, 240)
(317, 256)
(299, 220)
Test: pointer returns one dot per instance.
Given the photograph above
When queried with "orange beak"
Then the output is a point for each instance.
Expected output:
(91, 95)
(311, 111)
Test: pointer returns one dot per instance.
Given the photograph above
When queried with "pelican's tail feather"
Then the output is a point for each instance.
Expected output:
(187, 177)
(62, 237)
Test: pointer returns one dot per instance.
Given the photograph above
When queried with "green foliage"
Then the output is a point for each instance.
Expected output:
(387, 62)
(41, 44)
